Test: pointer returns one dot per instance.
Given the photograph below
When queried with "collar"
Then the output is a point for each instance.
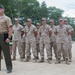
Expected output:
(2, 16)
(53, 26)
(16, 25)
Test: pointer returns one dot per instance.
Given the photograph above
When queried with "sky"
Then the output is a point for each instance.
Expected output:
(67, 5)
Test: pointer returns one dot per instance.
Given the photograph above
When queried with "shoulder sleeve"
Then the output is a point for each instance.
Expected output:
(71, 28)
(12, 28)
(25, 29)
(55, 30)
(21, 27)
(8, 21)
(68, 28)
(40, 29)
(50, 28)
(35, 29)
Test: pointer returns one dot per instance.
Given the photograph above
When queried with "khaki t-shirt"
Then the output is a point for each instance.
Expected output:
(5, 22)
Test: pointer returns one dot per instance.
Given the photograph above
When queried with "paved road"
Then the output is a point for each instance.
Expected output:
(30, 68)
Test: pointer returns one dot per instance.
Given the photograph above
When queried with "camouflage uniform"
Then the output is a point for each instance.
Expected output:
(62, 40)
(23, 45)
(45, 40)
(30, 40)
(17, 39)
(37, 41)
(53, 41)
(69, 44)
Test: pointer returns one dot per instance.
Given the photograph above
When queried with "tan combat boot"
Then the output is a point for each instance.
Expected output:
(66, 61)
(27, 59)
(35, 59)
(58, 61)
(70, 60)
(21, 59)
(49, 61)
(42, 60)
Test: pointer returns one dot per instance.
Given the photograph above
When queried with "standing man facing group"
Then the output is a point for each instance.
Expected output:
(5, 36)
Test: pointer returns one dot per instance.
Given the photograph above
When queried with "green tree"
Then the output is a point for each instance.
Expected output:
(43, 10)
(55, 13)
(24, 9)
(9, 7)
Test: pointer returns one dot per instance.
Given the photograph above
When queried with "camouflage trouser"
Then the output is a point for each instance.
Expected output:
(38, 48)
(62, 48)
(70, 51)
(47, 46)
(54, 46)
(23, 45)
(15, 45)
(28, 48)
